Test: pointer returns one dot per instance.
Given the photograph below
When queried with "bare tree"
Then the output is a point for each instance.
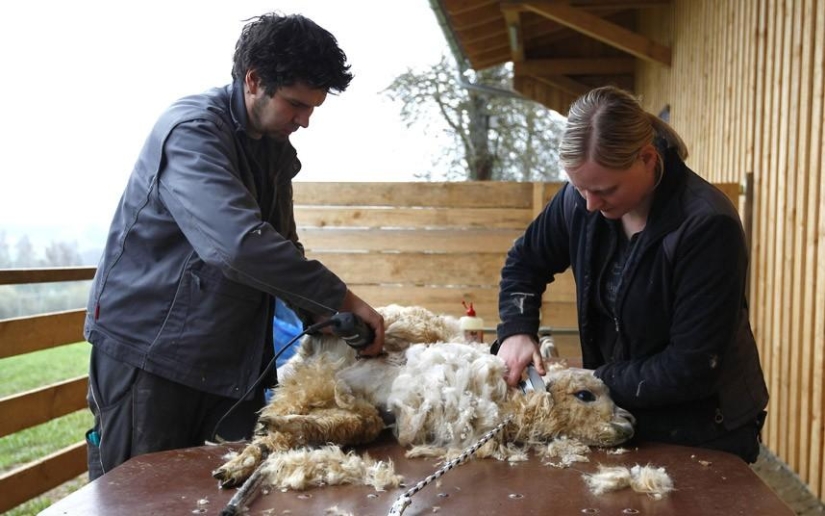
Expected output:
(496, 134)
(61, 254)
(5, 254)
(26, 253)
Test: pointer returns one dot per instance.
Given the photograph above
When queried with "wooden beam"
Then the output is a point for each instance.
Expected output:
(465, 6)
(27, 334)
(23, 484)
(25, 276)
(564, 83)
(515, 35)
(600, 4)
(601, 30)
(577, 66)
(25, 410)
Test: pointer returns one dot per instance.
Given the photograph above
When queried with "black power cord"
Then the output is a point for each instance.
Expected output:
(345, 325)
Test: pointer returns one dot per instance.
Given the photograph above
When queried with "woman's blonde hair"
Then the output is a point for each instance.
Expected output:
(609, 126)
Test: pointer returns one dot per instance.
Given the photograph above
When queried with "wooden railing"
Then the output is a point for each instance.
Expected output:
(27, 409)
(425, 244)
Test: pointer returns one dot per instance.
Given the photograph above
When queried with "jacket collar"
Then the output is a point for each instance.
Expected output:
(237, 106)
(666, 211)
(283, 152)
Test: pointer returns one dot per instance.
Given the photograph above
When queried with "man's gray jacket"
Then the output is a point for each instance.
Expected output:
(196, 251)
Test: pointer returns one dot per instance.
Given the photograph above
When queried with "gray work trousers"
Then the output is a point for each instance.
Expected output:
(136, 412)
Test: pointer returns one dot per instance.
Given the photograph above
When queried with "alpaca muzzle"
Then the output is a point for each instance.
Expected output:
(624, 424)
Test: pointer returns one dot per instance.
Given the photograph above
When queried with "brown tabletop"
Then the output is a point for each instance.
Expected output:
(179, 482)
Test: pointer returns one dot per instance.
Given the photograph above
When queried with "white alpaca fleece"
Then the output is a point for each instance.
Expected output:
(443, 394)
(304, 468)
(649, 480)
(447, 395)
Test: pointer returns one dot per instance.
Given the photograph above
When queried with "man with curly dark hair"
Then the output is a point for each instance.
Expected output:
(181, 309)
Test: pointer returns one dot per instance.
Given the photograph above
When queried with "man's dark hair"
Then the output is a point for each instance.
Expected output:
(285, 50)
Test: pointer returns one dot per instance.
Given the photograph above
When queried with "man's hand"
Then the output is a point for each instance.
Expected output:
(518, 351)
(357, 306)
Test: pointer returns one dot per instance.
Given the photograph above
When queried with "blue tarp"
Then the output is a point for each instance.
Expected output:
(286, 327)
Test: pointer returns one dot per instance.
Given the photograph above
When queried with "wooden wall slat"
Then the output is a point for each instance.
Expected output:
(388, 217)
(765, 193)
(780, 223)
(815, 263)
(558, 309)
(476, 194)
(773, 291)
(41, 405)
(799, 110)
(801, 323)
(20, 485)
(413, 268)
(433, 240)
(27, 334)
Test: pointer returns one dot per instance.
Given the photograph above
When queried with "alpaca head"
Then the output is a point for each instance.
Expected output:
(576, 404)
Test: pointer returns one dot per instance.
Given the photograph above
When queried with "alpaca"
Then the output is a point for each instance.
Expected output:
(439, 393)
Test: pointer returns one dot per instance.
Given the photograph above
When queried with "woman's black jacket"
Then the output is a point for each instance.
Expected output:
(679, 354)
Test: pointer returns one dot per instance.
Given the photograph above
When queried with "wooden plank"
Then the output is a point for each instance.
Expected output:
(565, 84)
(815, 261)
(761, 193)
(439, 299)
(558, 301)
(784, 230)
(459, 269)
(27, 334)
(483, 36)
(562, 290)
(25, 276)
(455, 270)
(794, 259)
(577, 66)
(602, 30)
(773, 63)
(23, 484)
(37, 406)
(389, 217)
(410, 240)
(464, 6)
(470, 194)
(515, 36)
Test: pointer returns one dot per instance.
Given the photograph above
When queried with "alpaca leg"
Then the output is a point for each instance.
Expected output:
(237, 469)
(356, 425)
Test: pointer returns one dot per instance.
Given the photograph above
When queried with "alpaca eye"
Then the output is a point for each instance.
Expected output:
(585, 396)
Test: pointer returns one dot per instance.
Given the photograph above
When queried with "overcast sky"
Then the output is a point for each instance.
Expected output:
(83, 82)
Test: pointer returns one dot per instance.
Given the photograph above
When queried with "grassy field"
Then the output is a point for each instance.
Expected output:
(30, 371)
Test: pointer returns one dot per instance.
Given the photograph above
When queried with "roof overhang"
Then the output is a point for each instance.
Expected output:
(559, 49)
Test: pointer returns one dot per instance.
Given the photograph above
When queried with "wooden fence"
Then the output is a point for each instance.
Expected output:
(428, 244)
(24, 410)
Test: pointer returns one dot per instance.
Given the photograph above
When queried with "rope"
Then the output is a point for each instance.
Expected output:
(404, 501)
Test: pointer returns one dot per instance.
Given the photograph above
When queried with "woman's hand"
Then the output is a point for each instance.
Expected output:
(518, 351)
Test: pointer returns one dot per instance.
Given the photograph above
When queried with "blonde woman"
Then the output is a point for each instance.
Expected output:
(660, 263)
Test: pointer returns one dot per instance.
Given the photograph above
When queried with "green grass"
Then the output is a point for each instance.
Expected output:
(38, 441)
(30, 371)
